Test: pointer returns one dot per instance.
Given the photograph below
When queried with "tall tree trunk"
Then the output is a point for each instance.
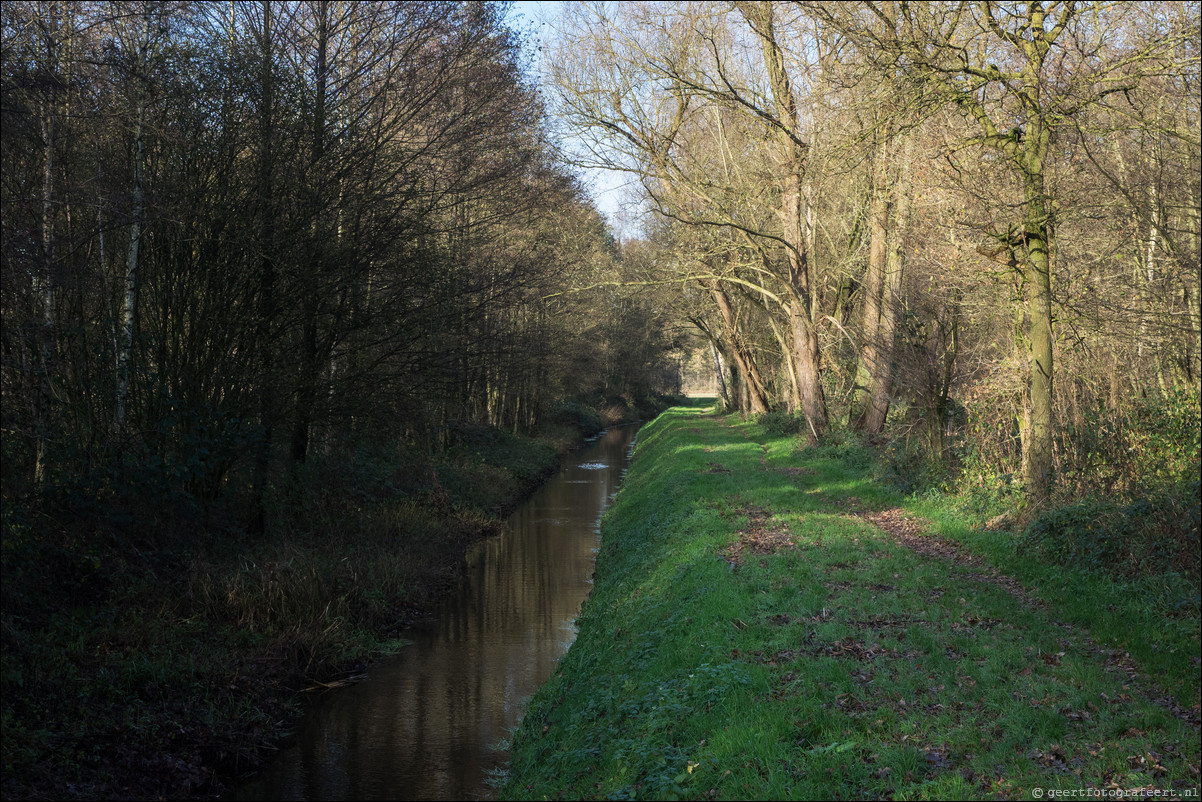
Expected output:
(891, 300)
(809, 377)
(1037, 446)
(807, 355)
(888, 218)
(44, 277)
(266, 279)
(870, 362)
(308, 369)
(43, 288)
(130, 299)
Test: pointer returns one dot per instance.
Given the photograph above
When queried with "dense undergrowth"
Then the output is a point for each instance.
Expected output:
(1125, 497)
(1125, 500)
(152, 647)
(772, 622)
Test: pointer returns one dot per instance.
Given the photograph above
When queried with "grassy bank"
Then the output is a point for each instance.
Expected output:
(156, 650)
(768, 623)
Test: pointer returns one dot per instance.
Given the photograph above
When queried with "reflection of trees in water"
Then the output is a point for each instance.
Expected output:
(426, 724)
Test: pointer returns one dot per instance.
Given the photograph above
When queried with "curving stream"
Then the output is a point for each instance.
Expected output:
(431, 723)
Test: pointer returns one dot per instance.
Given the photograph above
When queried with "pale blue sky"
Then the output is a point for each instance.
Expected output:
(605, 185)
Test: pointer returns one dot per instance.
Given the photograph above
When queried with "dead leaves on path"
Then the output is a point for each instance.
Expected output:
(911, 532)
(848, 648)
(760, 536)
(763, 534)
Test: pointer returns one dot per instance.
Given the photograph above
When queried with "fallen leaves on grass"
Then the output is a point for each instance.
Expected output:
(911, 532)
(885, 621)
(857, 650)
(1054, 758)
(760, 535)
(849, 648)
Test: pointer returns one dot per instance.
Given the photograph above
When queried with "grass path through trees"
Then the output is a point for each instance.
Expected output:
(772, 623)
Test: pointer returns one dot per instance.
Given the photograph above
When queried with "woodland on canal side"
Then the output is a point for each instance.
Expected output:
(298, 297)
(987, 210)
(284, 331)
(969, 232)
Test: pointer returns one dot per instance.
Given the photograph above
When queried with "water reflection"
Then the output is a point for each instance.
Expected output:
(429, 723)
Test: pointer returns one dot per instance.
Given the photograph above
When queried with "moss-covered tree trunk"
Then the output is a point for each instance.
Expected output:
(1037, 234)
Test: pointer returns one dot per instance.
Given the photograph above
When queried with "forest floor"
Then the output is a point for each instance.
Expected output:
(769, 623)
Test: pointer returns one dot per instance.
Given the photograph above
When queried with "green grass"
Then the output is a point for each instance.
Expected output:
(846, 665)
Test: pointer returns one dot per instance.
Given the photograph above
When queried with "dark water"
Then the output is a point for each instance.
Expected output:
(431, 723)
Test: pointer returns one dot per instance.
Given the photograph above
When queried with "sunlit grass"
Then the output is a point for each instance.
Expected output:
(846, 665)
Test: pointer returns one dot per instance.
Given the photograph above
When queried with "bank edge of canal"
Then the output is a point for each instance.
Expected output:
(431, 722)
(769, 623)
(180, 676)
(462, 524)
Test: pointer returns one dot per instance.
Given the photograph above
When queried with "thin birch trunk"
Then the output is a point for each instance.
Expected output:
(130, 300)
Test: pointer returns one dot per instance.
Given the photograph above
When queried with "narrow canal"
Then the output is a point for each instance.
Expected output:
(432, 722)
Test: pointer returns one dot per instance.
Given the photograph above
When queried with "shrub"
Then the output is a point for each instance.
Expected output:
(1166, 437)
(580, 416)
(781, 422)
(909, 467)
(363, 474)
(1086, 533)
(1147, 444)
(1154, 534)
(845, 445)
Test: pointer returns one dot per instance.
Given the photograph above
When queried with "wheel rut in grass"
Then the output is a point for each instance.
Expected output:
(912, 532)
(764, 535)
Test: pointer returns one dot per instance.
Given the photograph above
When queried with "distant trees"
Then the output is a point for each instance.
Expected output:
(235, 234)
(681, 123)
(934, 199)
